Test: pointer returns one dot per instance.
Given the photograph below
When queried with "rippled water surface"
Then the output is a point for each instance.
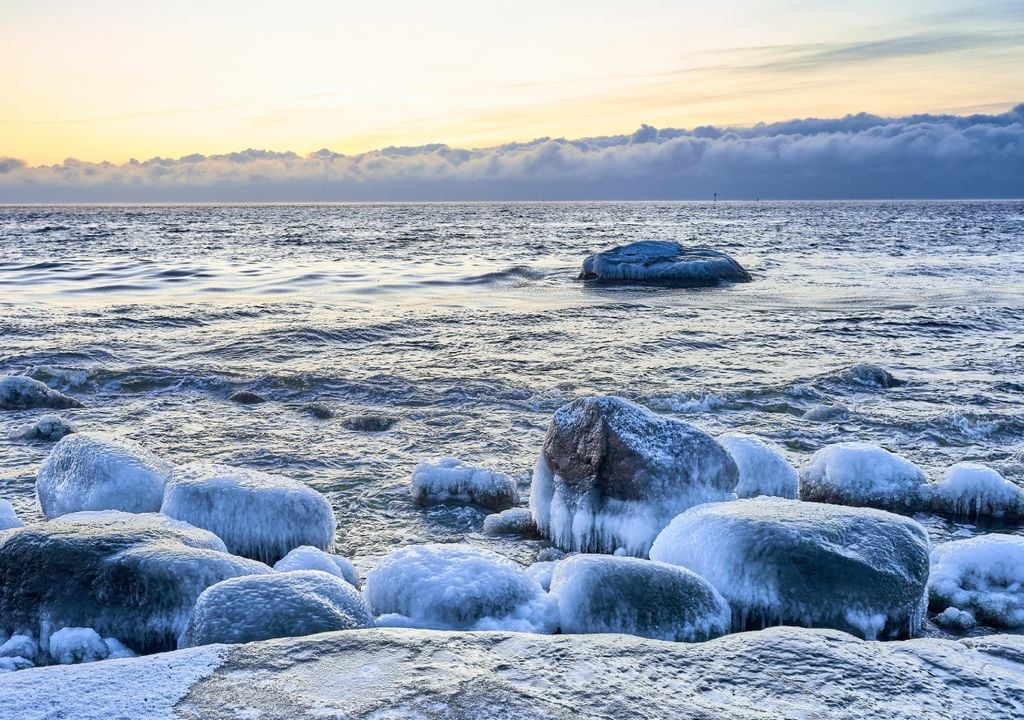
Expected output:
(467, 324)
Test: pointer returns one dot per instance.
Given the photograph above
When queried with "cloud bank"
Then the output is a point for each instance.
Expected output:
(858, 156)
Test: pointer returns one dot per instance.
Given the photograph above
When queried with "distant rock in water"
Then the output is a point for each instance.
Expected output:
(246, 397)
(656, 262)
(369, 423)
(48, 428)
(320, 411)
(18, 392)
(826, 413)
(514, 521)
(870, 375)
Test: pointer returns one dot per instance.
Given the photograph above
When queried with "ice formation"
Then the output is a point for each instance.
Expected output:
(456, 587)
(514, 521)
(257, 515)
(50, 428)
(863, 475)
(69, 646)
(789, 562)
(308, 557)
(970, 490)
(95, 471)
(662, 263)
(982, 575)
(612, 474)
(133, 577)
(20, 645)
(607, 594)
(954, 619)
(451, 480)
(763, 468)
(8, 518)
(261, 607)
(13, 664)
(117, 649)
(541, 572)
(18, 392)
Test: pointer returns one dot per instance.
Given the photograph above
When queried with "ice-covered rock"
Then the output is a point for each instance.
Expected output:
(514, 521)
(826, 413)
(864, 475)
(970, 490)
(8, 518)
(20, 645)
(133, 577)
(658, 262)
(49, 428)
(257, 515)
(607, 594)
(18, 392)
(954, 619)
(788, 562)
(261, 607)
(982, 575)
(542, 573)
(612, 474)
(308, 557)
(869, 374)
(763, 468)
(95, 471)
(71, 645)
(13, 664)
(455, 587)
(117, 649)
(451, 480)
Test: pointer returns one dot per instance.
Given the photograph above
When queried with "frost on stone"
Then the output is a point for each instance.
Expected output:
(982, 575)
(257, 515)
(787, 562)
(95, 471)
(308, 557)
(763, 469)
(514, 521)
(864, 475)
(261, 607)
(18, 392)
(73, 645)
(451, 480)
(612, 474)
(969, 491)
(607, 594)
(455, 587)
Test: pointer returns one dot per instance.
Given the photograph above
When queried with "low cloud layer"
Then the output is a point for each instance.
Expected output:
(858, 156)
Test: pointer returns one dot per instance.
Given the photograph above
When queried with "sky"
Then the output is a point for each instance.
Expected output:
(113, 80)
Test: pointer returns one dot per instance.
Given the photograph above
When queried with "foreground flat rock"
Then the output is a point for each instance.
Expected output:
(776, 673)
(658, 262)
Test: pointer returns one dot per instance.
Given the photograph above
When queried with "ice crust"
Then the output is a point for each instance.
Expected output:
(308, 557)
(864, 475)
(763, 469)
(451, 480)
(982, 575)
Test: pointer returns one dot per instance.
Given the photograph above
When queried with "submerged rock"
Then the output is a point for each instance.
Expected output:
(514, 521)
(311, 558)
(870, 375)
(257, 515)
(130, 576)
(787, 562)
(451, 480)
(864, 475)
(261, 607)
(18, 392)
(658, 262)
(612, 474)
(982, 575)
(48, 428)
(320, 411)
(369, 423)
(826, 413)
(607, 594)
(246, 397)
(763, 469)
(95, 471)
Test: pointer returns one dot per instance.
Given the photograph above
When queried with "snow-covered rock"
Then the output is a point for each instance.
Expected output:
(970, 490)
(50, 428)
(612, 474)
(864, 475)
(308, 557)
(455, 587)
(18, 392)
(8, 518)
(13, 664)
(763, 468)
(983, 575)
(661, 262)
(514, 521)
(261, 607)
(607, 594)
(133, 577)
(95, 471)
(257, 515)
(20, 645)
(789, 562)
(954, 619)
(72, 645)
(117, 649)
(451, 480)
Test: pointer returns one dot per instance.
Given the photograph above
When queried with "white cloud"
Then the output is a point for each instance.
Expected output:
(858, 156)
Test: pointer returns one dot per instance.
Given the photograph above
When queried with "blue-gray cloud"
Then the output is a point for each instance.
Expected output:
(858, 156)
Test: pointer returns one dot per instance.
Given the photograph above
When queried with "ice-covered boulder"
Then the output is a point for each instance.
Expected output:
(13, 664)
(49, 428)
(864, 475)
(514, 521)
(451, 480)
(261, 607)
(456, 587)
(612, 474)
(95, 471)
(133, 577)
(763, 468)
(954, 619)
(20, 645)
(982, 575)
(308, 557)
(970, 490)
(788, 562)
(18, 392)
(257, 515)
(657, 262)
(8, 518)
(607, 594)
(71, 645)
